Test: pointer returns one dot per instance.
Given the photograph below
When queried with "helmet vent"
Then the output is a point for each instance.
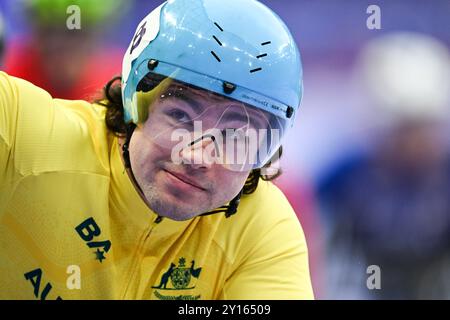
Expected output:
(218, 41)
(261, 56)
(217, 25)
(215, 56)
(255, 70)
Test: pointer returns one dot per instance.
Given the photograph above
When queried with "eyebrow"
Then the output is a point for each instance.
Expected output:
(185, 96)
(233, 115)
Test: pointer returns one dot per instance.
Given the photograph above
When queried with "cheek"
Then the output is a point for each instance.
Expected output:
(230, 183)
(140, 152)
(145, 154)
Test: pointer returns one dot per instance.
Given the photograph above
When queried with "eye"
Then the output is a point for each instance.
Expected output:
(178, 115)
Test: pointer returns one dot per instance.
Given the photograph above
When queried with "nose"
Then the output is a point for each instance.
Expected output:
(199, 153)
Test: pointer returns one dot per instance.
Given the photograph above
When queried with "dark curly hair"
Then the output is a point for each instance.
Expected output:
(111, 98)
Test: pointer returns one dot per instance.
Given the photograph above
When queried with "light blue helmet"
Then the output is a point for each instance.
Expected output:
(237, 48)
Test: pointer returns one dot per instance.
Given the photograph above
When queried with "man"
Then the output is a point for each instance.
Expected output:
(157, 196)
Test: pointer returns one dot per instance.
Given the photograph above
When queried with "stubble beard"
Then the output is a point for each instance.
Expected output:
(156, 201)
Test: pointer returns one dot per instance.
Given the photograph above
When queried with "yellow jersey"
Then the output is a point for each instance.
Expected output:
(72, 225)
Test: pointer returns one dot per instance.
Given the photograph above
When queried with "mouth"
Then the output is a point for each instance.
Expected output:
(185, 180)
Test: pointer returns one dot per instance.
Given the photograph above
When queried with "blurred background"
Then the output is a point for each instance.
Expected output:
(367, 167)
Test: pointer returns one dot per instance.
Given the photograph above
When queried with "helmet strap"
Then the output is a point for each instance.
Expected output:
(229, 209)
(126, 157)
(126, 145)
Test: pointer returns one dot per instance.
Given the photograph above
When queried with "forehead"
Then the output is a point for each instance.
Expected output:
(205, 99)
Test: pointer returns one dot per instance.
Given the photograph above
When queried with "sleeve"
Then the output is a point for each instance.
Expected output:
(276, 266)
(8, 120)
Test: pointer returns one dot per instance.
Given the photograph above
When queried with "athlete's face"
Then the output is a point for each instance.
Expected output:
(182, 191)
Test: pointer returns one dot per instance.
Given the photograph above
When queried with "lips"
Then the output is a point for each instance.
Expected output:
(185, 179)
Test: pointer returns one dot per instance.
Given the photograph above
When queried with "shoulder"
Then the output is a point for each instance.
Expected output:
(268, 200)
(267, 206)
(264, 218)
(265, 249)
(50, 134)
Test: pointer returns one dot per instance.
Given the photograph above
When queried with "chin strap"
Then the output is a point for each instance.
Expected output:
(126, 145)
(126, 155)
(250, 185)
(229, 209)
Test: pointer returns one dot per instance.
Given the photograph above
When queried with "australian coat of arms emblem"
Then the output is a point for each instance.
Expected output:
(179, 276)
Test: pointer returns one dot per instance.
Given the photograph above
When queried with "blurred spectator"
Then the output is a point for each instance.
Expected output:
(69, 63)
(390, 206)
(2, 37)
